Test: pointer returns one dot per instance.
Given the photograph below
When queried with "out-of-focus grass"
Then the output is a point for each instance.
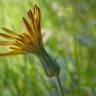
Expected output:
(69, 32)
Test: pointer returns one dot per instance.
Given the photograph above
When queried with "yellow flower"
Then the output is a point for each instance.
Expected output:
(30, 42)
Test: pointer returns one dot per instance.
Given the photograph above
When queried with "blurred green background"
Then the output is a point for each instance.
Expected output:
(69, 35)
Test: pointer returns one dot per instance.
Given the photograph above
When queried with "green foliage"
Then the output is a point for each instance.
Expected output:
(69, 32)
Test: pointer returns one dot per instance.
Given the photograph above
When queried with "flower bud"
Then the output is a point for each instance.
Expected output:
(50, 65)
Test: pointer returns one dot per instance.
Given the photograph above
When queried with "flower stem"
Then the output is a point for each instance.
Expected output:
(59, 85)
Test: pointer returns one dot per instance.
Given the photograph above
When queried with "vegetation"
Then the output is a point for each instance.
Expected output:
(68, 30)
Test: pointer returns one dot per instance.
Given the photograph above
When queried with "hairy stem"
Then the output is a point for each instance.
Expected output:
(60, 88)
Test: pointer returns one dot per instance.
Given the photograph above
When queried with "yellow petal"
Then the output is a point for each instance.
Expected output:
(11, 33)
(37, 15)
(16, 49)
(27, 26)
(30, 15)
(7, 36)
(5, 43)
(11, 53)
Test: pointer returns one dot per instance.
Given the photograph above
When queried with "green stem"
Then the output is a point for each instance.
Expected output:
(60, 88)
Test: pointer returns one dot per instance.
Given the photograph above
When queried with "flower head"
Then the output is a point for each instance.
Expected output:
(30, 42)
